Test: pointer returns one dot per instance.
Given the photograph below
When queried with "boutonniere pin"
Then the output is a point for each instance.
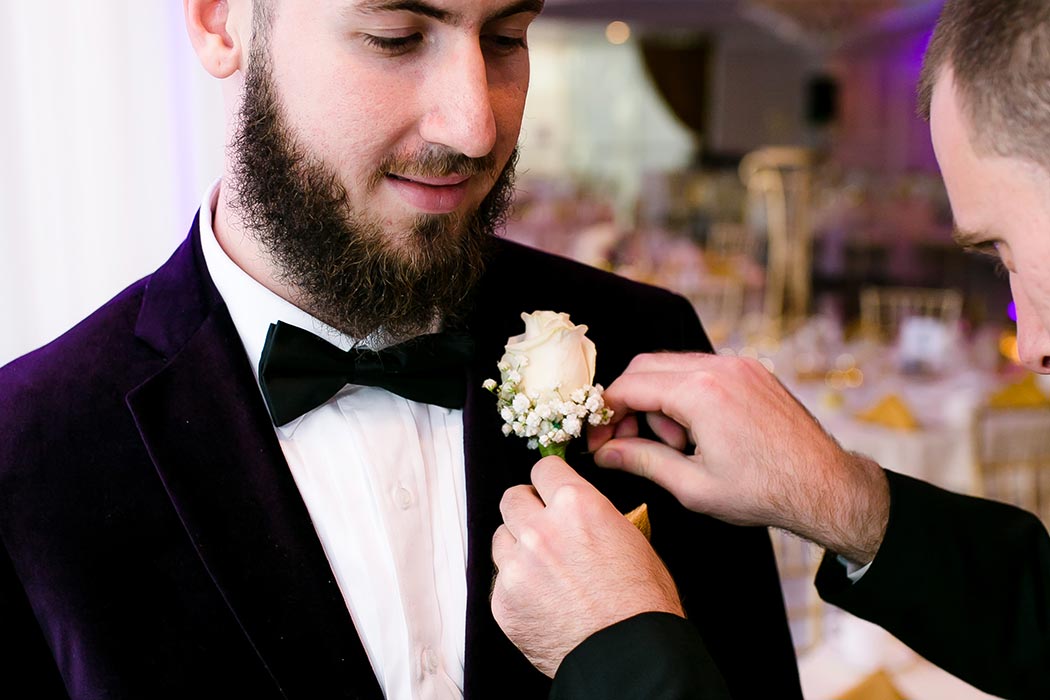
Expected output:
(546, 391)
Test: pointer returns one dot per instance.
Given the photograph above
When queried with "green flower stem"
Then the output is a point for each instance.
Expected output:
(555, 449)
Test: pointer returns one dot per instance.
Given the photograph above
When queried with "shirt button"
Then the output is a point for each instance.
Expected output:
(430, 660)
(404, 498)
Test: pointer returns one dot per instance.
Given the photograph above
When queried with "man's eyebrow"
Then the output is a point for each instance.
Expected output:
(421, 7)
(967, 239)
(418, 7)
(521, 7)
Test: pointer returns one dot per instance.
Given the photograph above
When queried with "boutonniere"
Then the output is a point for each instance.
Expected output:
(546, 391)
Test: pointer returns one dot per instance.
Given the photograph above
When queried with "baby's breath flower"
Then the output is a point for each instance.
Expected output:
(521, 403)
(571, 425)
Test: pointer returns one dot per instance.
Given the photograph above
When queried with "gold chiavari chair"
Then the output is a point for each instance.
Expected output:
(1012, 456)
(883, 308)
(729, 240)
(779, 184)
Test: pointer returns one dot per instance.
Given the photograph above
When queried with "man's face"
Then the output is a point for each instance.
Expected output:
(373, 152)
(368, 85)
(1001, 206)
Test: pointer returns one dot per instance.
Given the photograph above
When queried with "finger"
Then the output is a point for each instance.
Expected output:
(628, 427)
(598, 435)
(551, 474)
(503, 543)
(670, 362)
(668, 430)
(517, 505)
(652, 460)
(661, 392)
(642, 364)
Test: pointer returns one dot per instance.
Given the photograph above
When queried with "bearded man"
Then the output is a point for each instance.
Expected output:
(211, 487)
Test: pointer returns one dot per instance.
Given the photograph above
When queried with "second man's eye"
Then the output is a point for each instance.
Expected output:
(504, 44)
(393, 45)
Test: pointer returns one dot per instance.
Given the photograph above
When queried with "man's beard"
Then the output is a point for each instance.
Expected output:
(344, 269)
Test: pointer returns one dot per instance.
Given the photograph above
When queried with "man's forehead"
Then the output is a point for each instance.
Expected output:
(449, 11)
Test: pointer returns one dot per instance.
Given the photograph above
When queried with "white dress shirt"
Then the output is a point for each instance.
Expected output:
(383, 480)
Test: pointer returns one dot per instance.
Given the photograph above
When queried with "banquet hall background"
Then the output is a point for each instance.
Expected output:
(760, 157)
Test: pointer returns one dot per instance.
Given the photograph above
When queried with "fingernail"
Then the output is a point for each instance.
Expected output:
(609, 458)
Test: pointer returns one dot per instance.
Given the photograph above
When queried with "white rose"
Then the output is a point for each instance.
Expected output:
(558, 356)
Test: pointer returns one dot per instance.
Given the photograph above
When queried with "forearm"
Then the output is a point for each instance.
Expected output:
(846, 507)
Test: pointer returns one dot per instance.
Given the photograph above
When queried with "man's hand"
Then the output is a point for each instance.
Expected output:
(569, 564)
(760, 458)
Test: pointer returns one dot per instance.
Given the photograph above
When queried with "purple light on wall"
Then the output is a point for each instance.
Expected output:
(1011, 311)
(914, 53)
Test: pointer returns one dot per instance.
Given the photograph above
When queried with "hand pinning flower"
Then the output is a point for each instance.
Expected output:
(546, 392)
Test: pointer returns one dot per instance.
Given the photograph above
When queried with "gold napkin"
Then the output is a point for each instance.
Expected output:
(639, 517)
(1021, 394)
(891, 412)
(877, 686)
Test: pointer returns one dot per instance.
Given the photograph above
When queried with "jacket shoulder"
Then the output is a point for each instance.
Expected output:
(620, 313)
(95, 358)
(546, 268)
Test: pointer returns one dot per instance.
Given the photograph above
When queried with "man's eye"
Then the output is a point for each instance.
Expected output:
(393, 45)
(987, 248)
(992, 249)
(505, 44)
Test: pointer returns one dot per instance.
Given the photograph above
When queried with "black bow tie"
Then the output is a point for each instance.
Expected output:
(299, 371)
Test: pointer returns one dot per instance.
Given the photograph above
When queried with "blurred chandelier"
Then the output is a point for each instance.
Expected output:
(824, 23)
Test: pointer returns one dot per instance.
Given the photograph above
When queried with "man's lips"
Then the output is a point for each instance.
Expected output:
(433, 195)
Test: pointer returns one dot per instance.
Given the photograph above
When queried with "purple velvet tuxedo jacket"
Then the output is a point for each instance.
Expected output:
(155, 544)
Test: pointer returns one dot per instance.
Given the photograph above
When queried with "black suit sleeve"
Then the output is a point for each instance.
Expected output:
(963, 581)
(652, 656)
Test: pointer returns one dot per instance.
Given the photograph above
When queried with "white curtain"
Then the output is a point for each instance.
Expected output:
(109, 133)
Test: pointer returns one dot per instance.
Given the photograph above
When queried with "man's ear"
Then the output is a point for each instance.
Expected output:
(215, 35)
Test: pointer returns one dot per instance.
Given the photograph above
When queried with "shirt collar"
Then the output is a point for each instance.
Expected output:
(252, 306)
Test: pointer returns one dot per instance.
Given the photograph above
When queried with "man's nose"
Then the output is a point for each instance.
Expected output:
(1033, 339)
(459, 113)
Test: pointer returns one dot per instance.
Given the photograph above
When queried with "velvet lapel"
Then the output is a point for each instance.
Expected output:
(494, 463)
(208, 433)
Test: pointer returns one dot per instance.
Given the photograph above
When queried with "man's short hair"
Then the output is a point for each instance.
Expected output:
(999, 54)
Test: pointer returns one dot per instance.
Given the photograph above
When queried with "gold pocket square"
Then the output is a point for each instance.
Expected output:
(639, 517)
(877, 686)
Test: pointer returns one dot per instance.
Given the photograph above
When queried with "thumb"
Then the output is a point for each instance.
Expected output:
(655, 461)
